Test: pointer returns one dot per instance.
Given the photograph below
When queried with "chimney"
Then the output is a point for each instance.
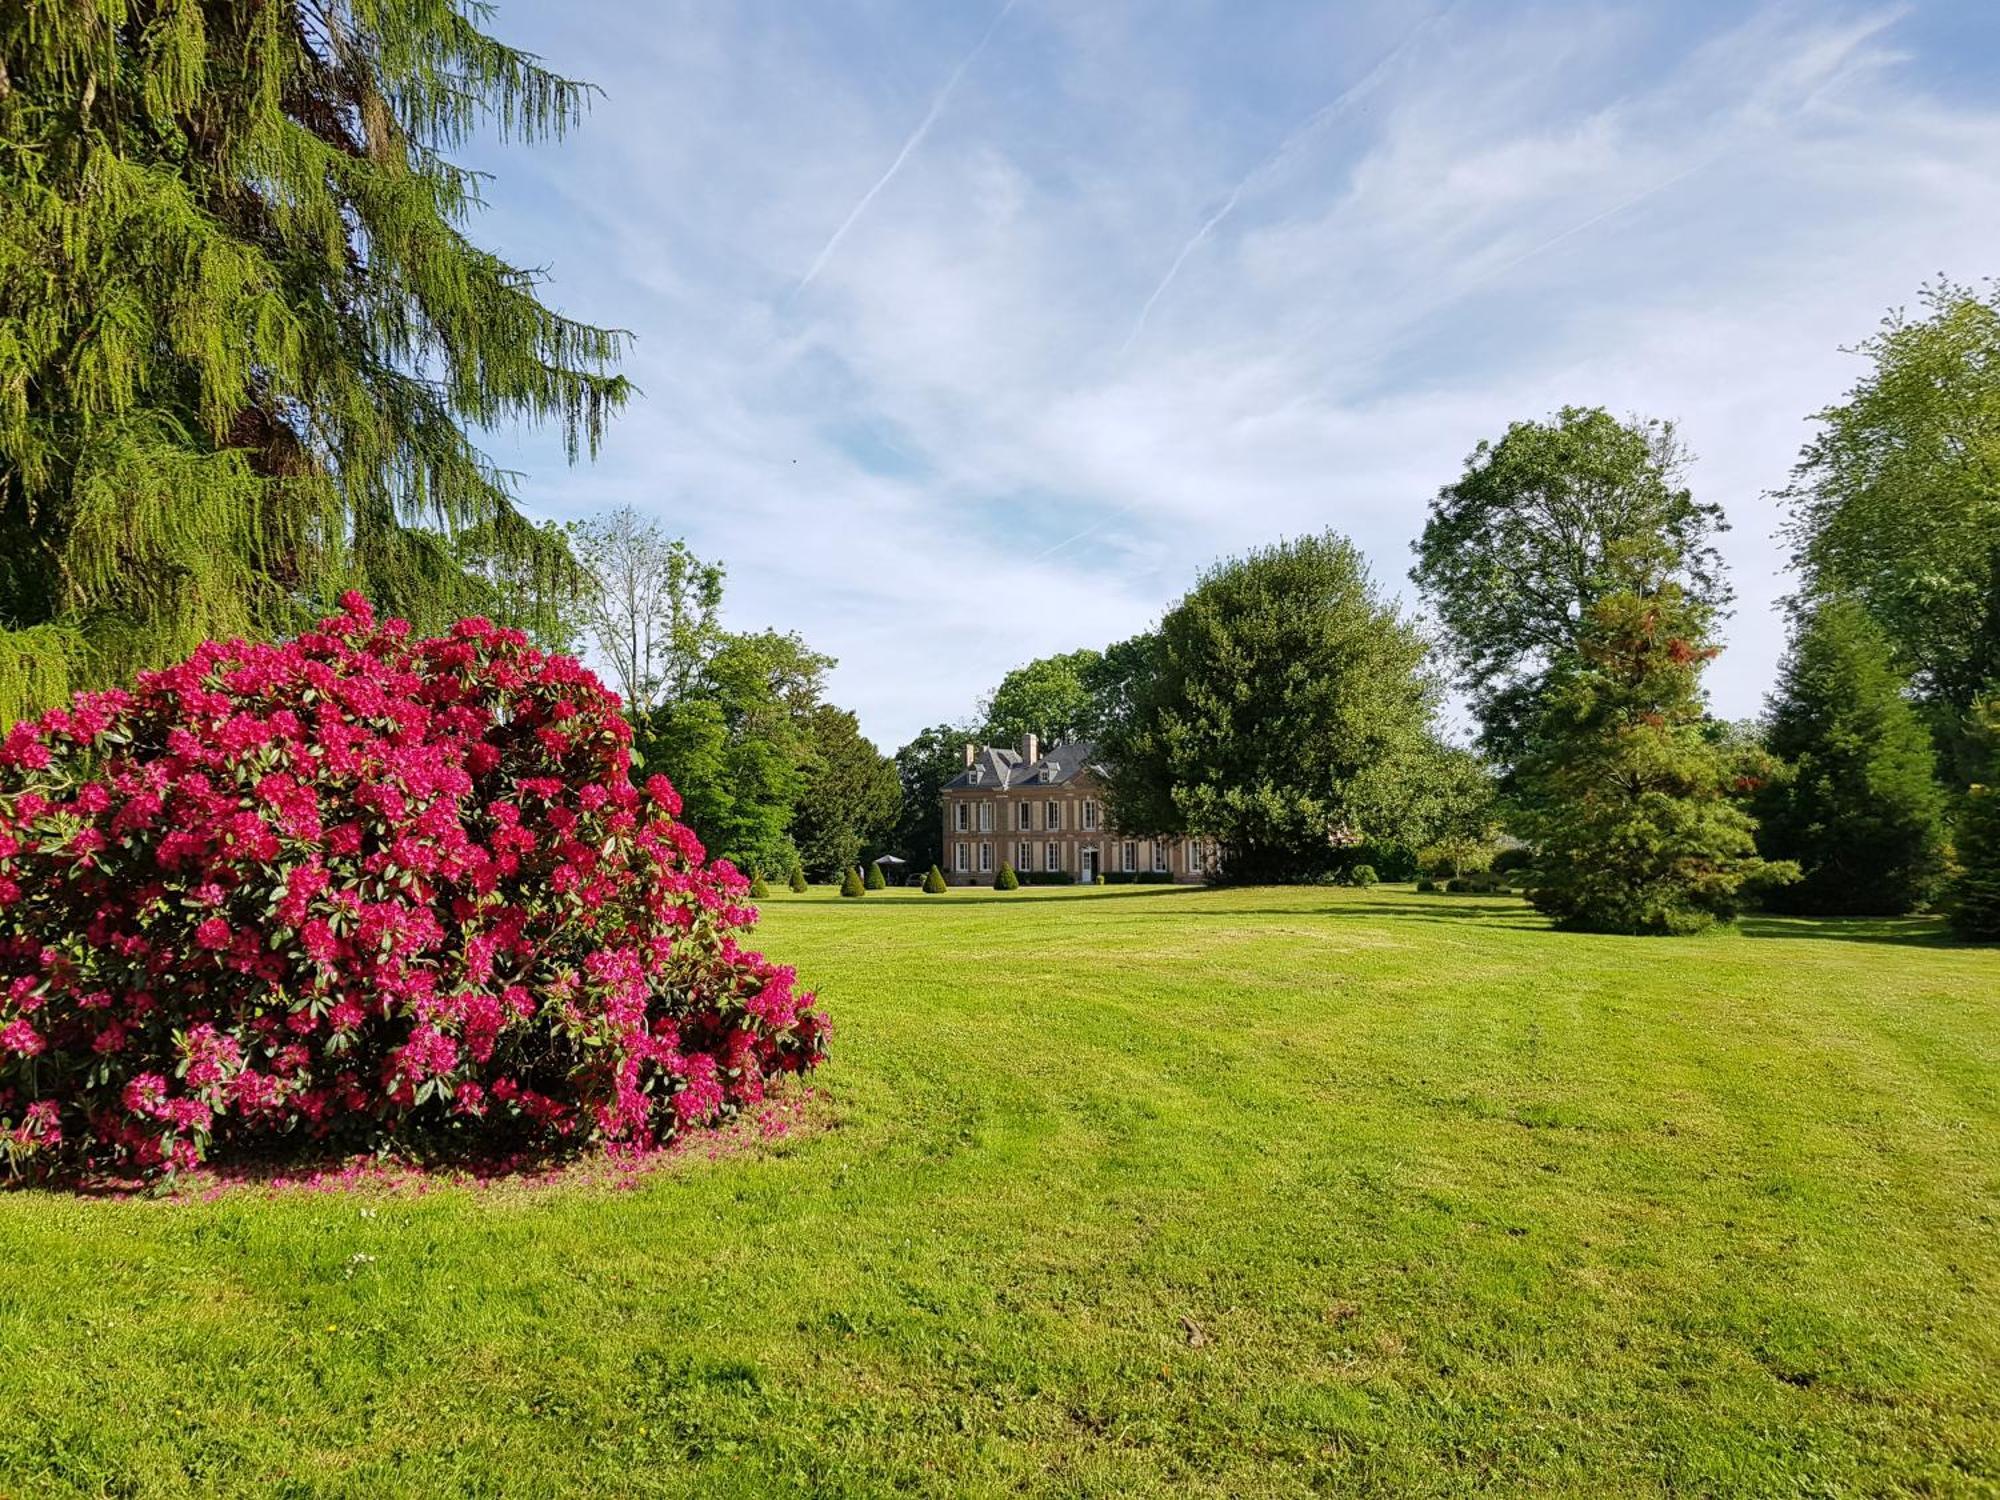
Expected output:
(1031, 749)
(971, 752)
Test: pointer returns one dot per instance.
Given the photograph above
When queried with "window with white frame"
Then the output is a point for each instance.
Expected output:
(1025, 856)
(985, 858)
(1053, 855)
(1128, 856)
(1027, 815)
(1089, 813)
(962, 816)
(986, 817)
(1194, 856)
(1159, 857)
(960, 858)
(1052, 816)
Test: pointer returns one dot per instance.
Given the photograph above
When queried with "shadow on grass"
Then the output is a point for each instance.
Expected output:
(1042, 896)
(1915, 932)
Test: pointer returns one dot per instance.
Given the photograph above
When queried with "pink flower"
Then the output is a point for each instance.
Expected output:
(213, 933)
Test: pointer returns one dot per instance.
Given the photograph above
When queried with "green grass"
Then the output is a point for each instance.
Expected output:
(1137, 1191)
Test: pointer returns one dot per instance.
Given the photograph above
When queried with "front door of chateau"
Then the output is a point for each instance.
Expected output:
(1090, 867)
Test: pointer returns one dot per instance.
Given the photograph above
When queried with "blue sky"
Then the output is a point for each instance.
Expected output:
(970, 332)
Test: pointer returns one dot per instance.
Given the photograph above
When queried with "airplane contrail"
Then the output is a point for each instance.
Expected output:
(1356, 90)
(910, 145)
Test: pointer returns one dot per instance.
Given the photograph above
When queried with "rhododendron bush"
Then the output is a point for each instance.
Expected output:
(359, 889)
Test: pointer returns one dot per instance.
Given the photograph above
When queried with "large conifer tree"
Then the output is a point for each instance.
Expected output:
(243, 334)
(1858, 805)
(1630, 801)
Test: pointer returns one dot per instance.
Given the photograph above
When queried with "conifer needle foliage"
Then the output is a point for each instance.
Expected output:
(244, 337)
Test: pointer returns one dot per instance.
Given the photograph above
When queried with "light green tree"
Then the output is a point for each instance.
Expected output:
(1542, 525)
(1896, 502)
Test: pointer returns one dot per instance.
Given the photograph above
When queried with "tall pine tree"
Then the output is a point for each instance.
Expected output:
(246, 335)
(1975, 890)
(1631, 803)
(1858, 805)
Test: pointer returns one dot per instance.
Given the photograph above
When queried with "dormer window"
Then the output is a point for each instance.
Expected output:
(1050, 770)
(976, 775)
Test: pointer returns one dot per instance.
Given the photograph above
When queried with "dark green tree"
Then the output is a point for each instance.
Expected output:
(1006, 880)
(1897, 501)
(876, 880)
(934, 882)
(248, 341)
(849, 799)
(1975, 889)
(923, 766)
(797, 881)
(1632, 805)
(851, 884)
(1542, 524)
(1858, 806)
(1283, 713)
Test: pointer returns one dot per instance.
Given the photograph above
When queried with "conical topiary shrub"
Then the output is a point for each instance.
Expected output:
(798, 881)
(759, 890)
(850, 884)
(934, 882)
(1006, 880)
(876, 881)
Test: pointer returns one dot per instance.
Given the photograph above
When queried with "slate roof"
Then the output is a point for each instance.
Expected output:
(1002, 769)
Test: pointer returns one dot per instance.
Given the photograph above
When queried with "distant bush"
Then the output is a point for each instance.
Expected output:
(934, 882)
(359, 889)
(1426, 885)
(1363, 875)
(851, 884)
(759, 890)
(1507, 861)
(1135, 877)
(1458, 885)
(798, 881)
(1006, 880)
(1046, 877)
(876, 881)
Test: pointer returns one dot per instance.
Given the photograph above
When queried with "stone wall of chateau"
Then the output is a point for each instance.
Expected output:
(1040, 828)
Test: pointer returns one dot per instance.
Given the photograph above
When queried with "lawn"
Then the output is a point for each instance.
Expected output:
(1136, 1191)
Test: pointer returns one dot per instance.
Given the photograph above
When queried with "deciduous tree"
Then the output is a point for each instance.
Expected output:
(1283, 712)
(1541, 526)
(1897, 501)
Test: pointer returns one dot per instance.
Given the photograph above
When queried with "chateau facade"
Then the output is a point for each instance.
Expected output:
(1042, 811)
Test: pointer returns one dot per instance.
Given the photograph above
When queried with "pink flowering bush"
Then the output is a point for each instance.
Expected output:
(359, 889)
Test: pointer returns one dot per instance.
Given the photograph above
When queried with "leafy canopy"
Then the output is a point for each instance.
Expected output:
(1897, 500)
(1542, 525)
(1053, 698)
(1283, 712)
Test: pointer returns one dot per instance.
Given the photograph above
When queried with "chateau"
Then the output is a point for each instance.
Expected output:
(1042, 811)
